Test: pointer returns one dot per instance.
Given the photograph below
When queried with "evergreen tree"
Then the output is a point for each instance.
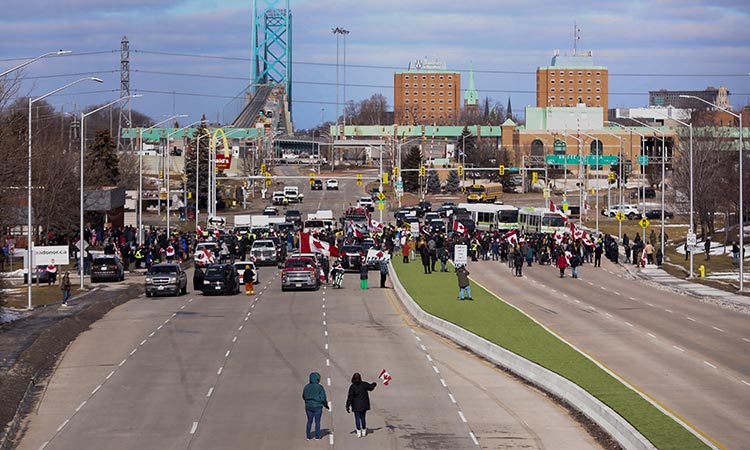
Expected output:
(453, 184)
(433, 182)
(413, 161)
(102, 163)
(198, 145)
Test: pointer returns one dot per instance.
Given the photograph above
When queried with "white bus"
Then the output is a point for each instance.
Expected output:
(489, 216)
(540, 220)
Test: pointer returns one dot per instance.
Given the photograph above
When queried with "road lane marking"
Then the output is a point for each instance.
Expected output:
(604, 288)
(325, 332)
(134, 350)
(330, 439)
(62, 425)
(194, 427)
(324, 323)
(677, 348)
(577, 301)
(210, 391)
(615, 292)
(565, 295)
(122, 363)
(709, 364)
(182, 307)
(435, 369)
(453, 399)
(669, 311)
(324, 313)
(461, 415)
(240, 328)
(418, 338)
(326, 346)
(590, 283)
(218, 372)
(746, 339)
(109, 375)
(718, 329)
(159, 327)
(474, 438)
(324, 306)
(234, 339)
(649, 304)
(608, 315)
(81, 406)
(143, 342)
(629, 324)
(152, 334)
(442, 381)
(246, 318)
(554, 290)
(423, 347)
(745, 382)
(429, 358)
(651, 335)
(96, 389)
(226, 355)
(690, 319)
(44, 445)
(328, 362)
(329, 381)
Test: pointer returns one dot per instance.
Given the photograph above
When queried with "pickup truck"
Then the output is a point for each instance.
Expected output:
(166, 279)
(264, 251)
(300, 273)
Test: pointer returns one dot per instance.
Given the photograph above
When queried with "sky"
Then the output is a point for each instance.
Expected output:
(192, 57)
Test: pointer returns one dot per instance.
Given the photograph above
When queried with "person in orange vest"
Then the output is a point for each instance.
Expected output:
(248, 276)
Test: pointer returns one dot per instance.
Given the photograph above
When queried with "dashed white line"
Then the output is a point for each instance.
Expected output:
(435, 369)
(745, 382)
(423, 347)
(226, 355)
(194, 427)
(324, 323)
(746, 339)
(328, 362)
(418, 338)
(615, 292)
(62, 425)
(651, 335)
(649, 304)
(81, 406)
(461, 415)
(577, 301)
(330, 439)
(44, 445)
(109, 375)
(324, 313)
(590, 283)
(677, 348)
(326, 346)
(554, 290)
(690, 319)
(669, 311)
(709, 364)
(453, 399)
(631, 298)
(325, 332)
(629, 324)
(329, 381)
(218, 372)
(474, 438)
(253, 305)
(429, 358)
(324, 306)
(96, 389)
(604, 288)
(122, 362)
(608, 315)
(166, 321)
(143, 342)
(182, 307)
(159, 327)
(565, 295)
(246, 318)
(134, 350)
(210, 391)
(152, 334)
(442, 381)
(234, 339)
(718, 329)
(240, 328)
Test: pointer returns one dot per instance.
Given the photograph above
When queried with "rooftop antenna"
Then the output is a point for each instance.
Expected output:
(576, 38)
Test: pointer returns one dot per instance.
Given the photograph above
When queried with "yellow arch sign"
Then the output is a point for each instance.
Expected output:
(220, 131)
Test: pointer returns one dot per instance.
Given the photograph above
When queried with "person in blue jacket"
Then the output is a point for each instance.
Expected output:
(314, 396)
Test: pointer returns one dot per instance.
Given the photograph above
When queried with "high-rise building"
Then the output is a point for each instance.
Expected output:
(572, 81)
(718, 96)
(426, 94)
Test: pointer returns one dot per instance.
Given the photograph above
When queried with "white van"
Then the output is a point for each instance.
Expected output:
(291, 193)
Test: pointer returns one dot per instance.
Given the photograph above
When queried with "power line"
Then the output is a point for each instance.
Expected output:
(69, 55)
(78, 74)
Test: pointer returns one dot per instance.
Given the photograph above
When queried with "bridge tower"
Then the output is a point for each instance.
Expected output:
(272, 44)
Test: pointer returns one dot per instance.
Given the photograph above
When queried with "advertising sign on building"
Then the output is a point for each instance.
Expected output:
(223, 162)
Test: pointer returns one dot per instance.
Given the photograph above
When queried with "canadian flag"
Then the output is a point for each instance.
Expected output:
(644, 258)
(575, 232)
(198, 230)
(512, 237)
(555, 209)
(385, 376)
(588, 242)
(355, 231)
(205, 257)
(558, 237)
(374, 225)
(458, 227)
(310, 244)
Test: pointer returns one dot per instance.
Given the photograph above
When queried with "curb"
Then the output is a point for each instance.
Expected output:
(611, 422)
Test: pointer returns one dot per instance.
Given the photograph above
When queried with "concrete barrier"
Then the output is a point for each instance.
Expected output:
(611, 422)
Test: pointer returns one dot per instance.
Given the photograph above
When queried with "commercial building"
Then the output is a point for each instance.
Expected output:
(427, 94)
(573, 81)
(718, 96)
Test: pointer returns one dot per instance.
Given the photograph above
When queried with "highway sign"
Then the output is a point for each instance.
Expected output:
(643, 160)
(692, 239)
(620, 216)
(644, 223)
(381, 206)
(589, 160)
(381, 196)
(547, 192)
(216, 221)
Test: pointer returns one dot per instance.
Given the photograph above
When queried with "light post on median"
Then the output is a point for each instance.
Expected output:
(169, 167)
(581, 206)
(642, 192)
(620, 179)
(83, 149)
(140, 172)
(29, 252)
(26, 63)
(597, 179)
(742, 222)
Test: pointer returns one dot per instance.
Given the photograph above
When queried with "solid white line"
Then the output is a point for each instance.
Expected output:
(152, 334)
(330, 439)
(143, 341)
(210, 391)
(109, 375)
(442, 381)
(463, 419)
(628, 324)
(423, 347)
(429, 358)
(718, 329)
(453, 399)
(81, 406)
(218, 372)
(329, 381)
(669, 311)
(690, 319)
(435, 369)
(63, 424)
(678, 348)
(709, 364)
(122, 363)
(226, 355)
(745, 382)
(651, 335)
(194, 427)
(134, 350)
(474, 438)
(96, 389)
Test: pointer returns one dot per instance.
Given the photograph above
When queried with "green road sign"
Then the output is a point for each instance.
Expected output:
(643, 160)
(589, 160)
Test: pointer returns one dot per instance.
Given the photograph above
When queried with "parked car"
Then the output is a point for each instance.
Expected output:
(264, 251)
(437, 225)
(316, 185)
(647, 193)
(630, 211)
(278, 198)
(221, 279)
(240, 267)
(166, 278)
(656, 214)
(107, 268)
(270, 211)
(300, 273)
(425, 206)
(332, 184)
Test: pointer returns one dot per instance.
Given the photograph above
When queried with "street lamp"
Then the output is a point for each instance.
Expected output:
(581, 206)
(620, 181)
(24, 64)
(642, 193)
(169, 167)
(692, 219)
(338, 31)
(140, 172)
(742, 222)
(663, 174)
(597, 179)
(29, 256)
(83, 143)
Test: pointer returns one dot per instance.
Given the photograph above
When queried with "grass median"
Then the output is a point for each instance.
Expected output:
(503, 325)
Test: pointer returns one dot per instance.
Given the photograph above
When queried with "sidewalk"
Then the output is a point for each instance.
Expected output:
(686, 287)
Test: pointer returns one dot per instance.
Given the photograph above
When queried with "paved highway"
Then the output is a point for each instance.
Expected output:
(227, 372)
(689, 355)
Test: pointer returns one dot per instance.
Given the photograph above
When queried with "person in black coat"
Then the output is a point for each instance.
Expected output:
(198, 277)
(358, 401)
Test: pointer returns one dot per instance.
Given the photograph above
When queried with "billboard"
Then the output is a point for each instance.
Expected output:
(223, 161)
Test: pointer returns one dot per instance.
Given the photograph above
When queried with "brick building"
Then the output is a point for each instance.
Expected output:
(427, 94)
(572, 81)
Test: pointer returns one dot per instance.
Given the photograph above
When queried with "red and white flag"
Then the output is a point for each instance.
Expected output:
(512, 237)
(198, 230)
(458, 227)
(553, 208)
(354, 230)
(575, 232)
(374, 225)
(558, 237)
(310, 244)
(385, 377)
(644, 258)
(587, 241)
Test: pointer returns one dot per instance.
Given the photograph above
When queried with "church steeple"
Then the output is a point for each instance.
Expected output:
(471, 96)
(508, 110)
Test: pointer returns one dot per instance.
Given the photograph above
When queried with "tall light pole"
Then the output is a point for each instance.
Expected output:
(81, 239)
(619, 182)
(26, 63)
(169, 167)
(642, 193)
(581, 206)
(338, 31)
(742, 222)
(29, 252)
(597, 180)
(140, 172)
(692, 214)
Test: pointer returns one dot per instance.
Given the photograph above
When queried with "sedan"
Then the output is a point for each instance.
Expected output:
(107, 268)
(332, 184)
(656, 214)
(221, 279)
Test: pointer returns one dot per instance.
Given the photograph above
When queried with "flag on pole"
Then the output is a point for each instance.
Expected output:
(458, 227)
(575, 232)
(374, 225)
(558, 237)
(354, 230)
(644, 258)
(553, 208)
(385, 377)
(512, 237)
(310, 244)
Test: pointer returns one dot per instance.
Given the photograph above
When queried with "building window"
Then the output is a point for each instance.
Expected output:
(580, 90)
(424, 93)
(442, 109)
(440, 93)
(552, 90)
(598, 98)
(432, 101)
(588, 98)
(552, 81)
(552, 99)
(570, 99)
(406, 100)
(588, 74)
(580, 73)
(598, 74)
(570, 89)
(598, 81)
(406, 93)
(441, 100)
(598, 90)
(450, 77)
(424, 100)
(450, 93)
(442, 85)
(580, 81)
(432, 85)
(424, 116)
(441, 116)
(432, 109)
(432, 77)
(450, 86)
(450, 109)
(570, 74)
(441, 77)
(424, 77)
(588, 81)
(406, 77)
(588, 89)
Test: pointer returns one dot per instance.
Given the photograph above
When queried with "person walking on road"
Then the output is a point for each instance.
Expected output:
(464, 286)
(575, 262)
(315, 399)
(562, 263)
(363, 275)
(358, 401)
(598, 253)
(65, 288)
(383, 272)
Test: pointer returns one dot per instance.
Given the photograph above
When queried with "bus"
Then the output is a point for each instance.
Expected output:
(492, 216)
(540, 220)
(479, 193)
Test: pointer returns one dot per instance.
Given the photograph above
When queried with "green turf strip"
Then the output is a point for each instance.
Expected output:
(500, 323)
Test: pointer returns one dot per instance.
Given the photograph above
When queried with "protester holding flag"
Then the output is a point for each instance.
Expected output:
(358, 400)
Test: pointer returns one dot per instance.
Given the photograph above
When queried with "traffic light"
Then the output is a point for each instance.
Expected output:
(460, 171)
(611, 177)
(422, 171)
(534, 177)
(359, 179)
(268, 179)
(501, 170)
(385, 177)
(395, 172)
(312, 178)
(262, 168)
(190, 194)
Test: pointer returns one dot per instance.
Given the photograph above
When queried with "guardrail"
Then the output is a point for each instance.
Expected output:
(611, 422)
